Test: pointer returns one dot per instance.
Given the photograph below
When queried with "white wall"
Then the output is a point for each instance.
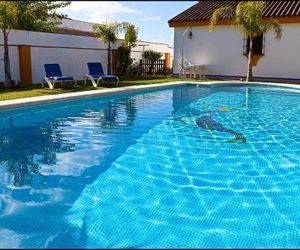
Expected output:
(72, 52)
(52, 39)
(73, 62)
(222, 52)
(14, 62)
(282, 58)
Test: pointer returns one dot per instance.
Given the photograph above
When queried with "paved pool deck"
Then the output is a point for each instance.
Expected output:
(112, 91)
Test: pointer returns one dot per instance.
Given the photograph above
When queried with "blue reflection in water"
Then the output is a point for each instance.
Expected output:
(122, 171)
(49, 153)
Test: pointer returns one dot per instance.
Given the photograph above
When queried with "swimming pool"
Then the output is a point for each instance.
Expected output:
(184, 167)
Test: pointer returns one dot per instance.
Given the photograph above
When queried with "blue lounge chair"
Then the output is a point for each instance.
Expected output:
(54, 75)
(96, 75)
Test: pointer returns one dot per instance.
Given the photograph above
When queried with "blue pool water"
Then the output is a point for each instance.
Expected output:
(182, 167)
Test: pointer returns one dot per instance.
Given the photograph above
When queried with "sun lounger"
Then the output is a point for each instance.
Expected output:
(54, 75)
(96, 75)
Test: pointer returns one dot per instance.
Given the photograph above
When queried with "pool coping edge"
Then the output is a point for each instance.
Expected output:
(106, 92)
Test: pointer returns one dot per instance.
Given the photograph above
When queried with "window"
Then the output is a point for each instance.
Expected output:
(258, 45)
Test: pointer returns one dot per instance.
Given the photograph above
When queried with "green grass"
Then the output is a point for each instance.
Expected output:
(31, 91)
(129, 81)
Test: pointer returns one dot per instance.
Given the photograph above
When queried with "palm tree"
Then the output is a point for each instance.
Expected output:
(130, 41)
(108, 33)
(131, 36)
(249, 17)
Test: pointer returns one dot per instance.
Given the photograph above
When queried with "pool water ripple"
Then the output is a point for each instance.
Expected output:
(137, 172)
(205, 193)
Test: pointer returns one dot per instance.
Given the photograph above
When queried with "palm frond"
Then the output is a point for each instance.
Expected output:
(273, 25)
(107, 32)
(124, 25)
(221, 13)
(249, 17)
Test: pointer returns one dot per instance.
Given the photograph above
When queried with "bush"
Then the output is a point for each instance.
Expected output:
(152, 55)
(124, 60)
(134, 69)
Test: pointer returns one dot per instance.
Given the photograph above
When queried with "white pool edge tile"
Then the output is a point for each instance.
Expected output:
(111, 91)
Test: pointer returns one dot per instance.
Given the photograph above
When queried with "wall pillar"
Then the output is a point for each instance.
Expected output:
(25, 64)
(168, 60)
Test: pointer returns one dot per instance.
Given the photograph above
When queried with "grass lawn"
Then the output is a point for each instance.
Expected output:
(30, 91)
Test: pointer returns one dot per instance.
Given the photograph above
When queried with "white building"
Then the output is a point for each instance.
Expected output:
(224, 51)
(72, 45)
(71, 26)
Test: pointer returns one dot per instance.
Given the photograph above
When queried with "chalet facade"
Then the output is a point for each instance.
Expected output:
(224, 51)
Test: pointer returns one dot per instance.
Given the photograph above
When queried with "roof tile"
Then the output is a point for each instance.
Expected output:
(203, 10)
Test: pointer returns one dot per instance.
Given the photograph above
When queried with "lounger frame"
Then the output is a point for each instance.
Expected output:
(51, 82)
(96, 81)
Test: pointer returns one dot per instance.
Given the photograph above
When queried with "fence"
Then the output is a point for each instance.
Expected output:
(148, 67)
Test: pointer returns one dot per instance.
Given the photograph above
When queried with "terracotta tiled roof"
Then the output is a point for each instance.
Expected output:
(203, 10)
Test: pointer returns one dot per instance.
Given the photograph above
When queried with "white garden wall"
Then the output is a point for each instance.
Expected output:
(73, 62)
(222, 52)
(72, 52)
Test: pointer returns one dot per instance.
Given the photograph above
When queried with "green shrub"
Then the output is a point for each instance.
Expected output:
(124, 60)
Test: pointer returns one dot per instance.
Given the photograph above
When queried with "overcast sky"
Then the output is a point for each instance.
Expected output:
(150, 17)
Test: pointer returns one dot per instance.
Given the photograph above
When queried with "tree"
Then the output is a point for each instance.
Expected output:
(153, 56)
(248, 17)
(8, 20)
(20, 156)
(124, 60)
(130, 40)
(108, 33)
(26, 15)
(131, 36)
(39, 15)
